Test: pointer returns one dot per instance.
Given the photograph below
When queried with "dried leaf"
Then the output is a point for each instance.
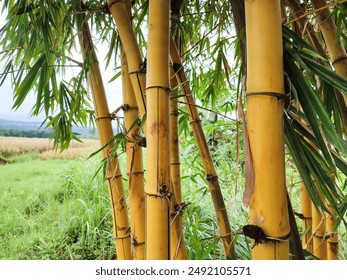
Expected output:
(249, 171)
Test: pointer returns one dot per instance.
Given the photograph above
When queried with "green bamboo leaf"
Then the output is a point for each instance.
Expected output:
(28, 82)
(326, 74)
(292, 38)
(301, 162)
(314, 110)
(304, 131)
(309, 163)
(313, 54)
(115, 77)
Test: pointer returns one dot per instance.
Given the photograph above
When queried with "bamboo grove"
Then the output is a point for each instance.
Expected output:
(274, 71)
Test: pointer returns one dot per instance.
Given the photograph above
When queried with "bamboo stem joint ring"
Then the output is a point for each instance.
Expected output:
(166, 89)
(339, 59)
(267, 93)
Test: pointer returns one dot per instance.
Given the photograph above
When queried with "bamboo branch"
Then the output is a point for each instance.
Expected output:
(315, 11)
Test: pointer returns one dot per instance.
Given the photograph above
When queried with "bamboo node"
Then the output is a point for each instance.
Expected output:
(258, 235)
(195, 121)
(121, 238)
(114, 2)
(127, 107)
(124, 107)
(228, 235)
(211, 178)
(339, 59)
(279, 96)
(166, 89)
(109, 116)
(134, 241)
(174, 113)
(143, 66)
(135, 173)
(139, 140)
(179, 208)
(112, 177)
(300, 215)
(176, 67)
(163, 192)
(329, 235)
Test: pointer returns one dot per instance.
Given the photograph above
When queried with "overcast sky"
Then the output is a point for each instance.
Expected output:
(113, 90)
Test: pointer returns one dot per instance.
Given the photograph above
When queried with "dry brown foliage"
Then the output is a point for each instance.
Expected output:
(14, 146)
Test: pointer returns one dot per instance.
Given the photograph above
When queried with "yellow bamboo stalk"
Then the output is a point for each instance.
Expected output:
(177, 244)
(103, 122)
(318, 233)
(265, 88)
(134, 166)
(338, 56)
(137, 67)
(306, 208)
(332, 238)
(304, 26)
(336, 50)
(226, 235)
(158, 186)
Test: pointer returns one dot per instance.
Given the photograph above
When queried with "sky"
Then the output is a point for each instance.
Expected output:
(113, 91)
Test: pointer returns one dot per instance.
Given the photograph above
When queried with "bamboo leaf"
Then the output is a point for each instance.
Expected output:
(326, 74)
(28, 82)
(115, 77)
(302, 162)
(314, 111)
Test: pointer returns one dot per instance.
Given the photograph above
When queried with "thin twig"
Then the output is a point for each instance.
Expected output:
(315, 11)
(209, 110)
(70, 59)
(208, 33)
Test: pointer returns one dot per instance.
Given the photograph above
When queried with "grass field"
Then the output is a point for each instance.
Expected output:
(54, 206)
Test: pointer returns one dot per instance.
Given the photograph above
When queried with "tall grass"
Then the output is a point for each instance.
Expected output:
(54, 209)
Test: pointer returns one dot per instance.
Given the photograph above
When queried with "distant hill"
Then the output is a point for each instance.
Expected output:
(27, 126)
(18, 125)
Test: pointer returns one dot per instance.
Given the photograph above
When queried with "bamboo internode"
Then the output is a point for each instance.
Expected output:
(137, 67)
(306, 219)
(318, 233)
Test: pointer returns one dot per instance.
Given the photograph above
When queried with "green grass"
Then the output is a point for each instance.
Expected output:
(57, 209)
(53, 209)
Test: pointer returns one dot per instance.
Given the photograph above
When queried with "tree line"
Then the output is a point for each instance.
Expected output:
(26, 134)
